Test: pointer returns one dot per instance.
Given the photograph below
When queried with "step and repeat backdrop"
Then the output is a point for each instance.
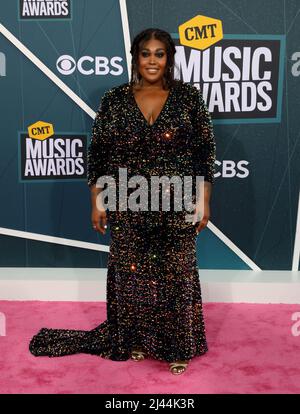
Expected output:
(57, 58)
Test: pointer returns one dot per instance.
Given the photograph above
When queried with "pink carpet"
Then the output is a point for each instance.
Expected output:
(251, 350)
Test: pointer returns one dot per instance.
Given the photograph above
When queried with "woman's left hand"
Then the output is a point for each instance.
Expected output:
(204, 217)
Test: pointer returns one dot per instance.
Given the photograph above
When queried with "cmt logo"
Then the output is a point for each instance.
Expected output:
(2, 64)
(40, 130)
(87, 65)
(200, 32)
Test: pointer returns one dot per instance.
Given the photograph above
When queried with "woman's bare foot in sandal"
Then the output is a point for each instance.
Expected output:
(178, 367)
(138, 355)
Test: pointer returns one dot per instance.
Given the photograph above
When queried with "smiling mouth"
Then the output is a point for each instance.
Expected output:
(152, 70)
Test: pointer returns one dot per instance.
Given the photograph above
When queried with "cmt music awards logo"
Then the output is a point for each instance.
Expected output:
(45, 9)
(240, 76)
(45, 156)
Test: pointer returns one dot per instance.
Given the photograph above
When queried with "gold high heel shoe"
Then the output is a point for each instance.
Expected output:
(178, 367)
(137, 355)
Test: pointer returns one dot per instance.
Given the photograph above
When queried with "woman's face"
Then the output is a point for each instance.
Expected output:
(152, 61)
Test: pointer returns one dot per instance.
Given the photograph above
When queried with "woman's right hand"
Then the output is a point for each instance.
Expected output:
(99, 220)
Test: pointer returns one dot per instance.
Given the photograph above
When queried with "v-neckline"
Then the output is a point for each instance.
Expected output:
(160, 113)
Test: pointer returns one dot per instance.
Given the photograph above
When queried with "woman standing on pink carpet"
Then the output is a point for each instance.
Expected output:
(153, 125)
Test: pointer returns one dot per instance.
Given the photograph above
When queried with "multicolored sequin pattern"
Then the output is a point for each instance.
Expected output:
(153, 288)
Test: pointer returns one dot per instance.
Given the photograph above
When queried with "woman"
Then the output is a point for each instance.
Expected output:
(152, 126)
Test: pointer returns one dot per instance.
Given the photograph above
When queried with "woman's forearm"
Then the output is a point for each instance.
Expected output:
(207, 191)
(96, 198)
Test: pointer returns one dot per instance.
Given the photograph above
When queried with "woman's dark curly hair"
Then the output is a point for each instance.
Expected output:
(137, 44)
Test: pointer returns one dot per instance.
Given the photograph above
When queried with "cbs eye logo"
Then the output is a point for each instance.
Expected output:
(88, 65)
(66, 65)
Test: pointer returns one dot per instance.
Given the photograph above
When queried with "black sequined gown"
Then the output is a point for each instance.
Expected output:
(153, 289)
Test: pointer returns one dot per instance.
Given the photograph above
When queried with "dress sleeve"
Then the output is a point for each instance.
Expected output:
(204, 144)
(99, 147)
